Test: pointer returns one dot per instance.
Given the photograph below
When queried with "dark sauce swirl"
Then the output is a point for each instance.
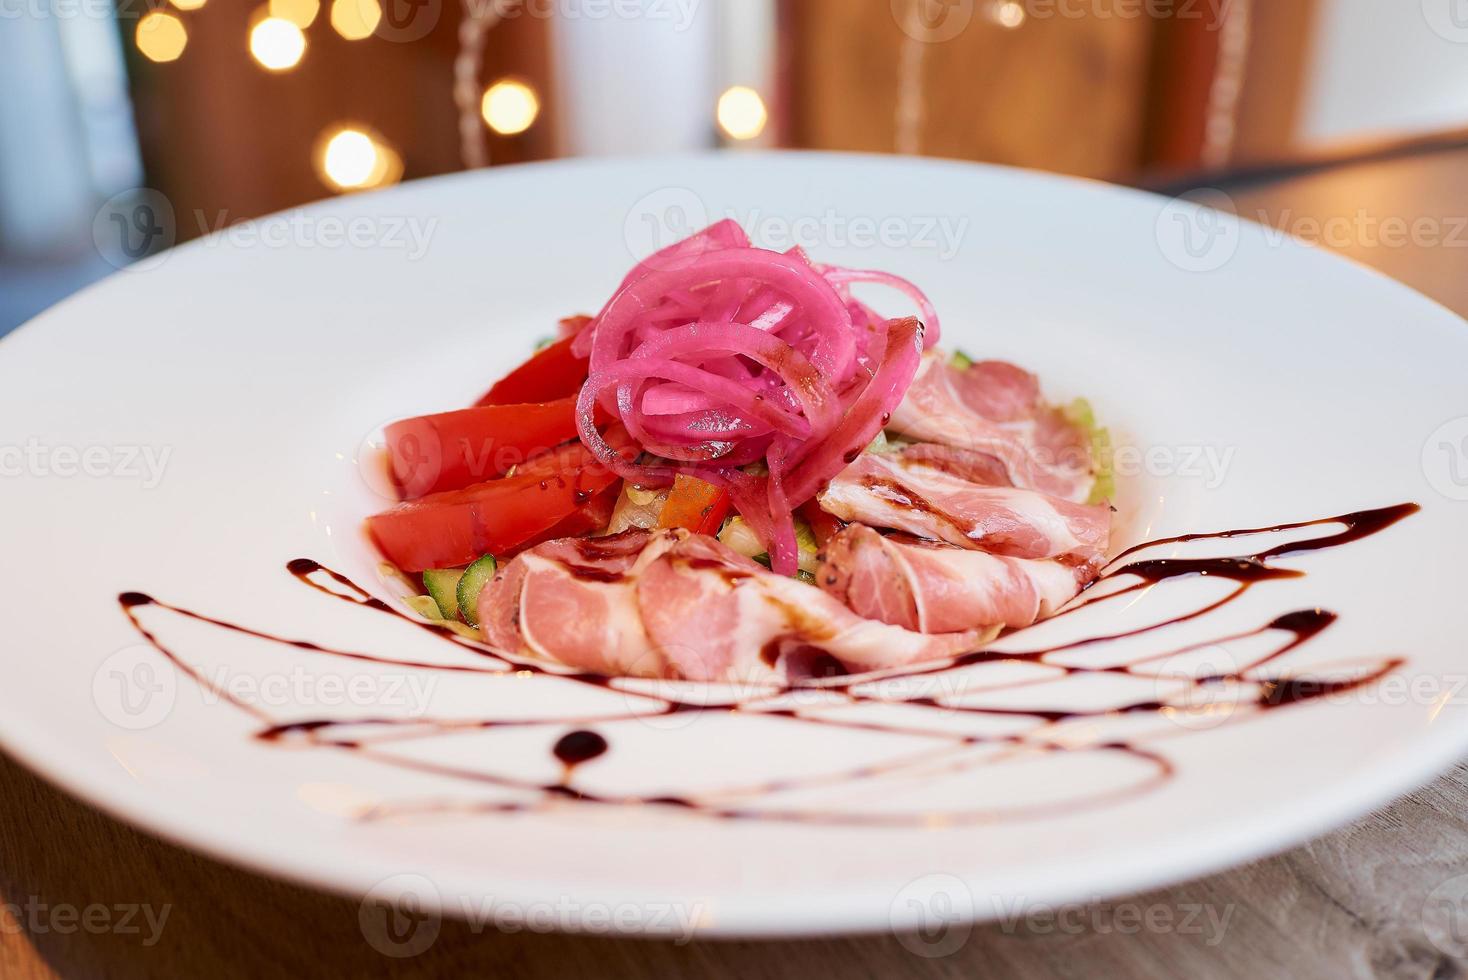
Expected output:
(583, 743)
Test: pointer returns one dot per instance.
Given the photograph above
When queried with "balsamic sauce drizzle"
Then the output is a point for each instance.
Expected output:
(956, 752)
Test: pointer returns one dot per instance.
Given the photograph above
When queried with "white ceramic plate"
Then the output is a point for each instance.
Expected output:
(187, 427)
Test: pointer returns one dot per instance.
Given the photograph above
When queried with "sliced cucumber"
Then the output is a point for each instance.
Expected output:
(475, 578)
(443, 584)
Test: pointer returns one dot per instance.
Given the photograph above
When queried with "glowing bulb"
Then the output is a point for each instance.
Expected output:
(277, 44)
(355, 19)
(350, 158)
(161, 36)
(187, 4)
(742, 113)
(509, 107)
(1009, 13)
(302, 13)
(353, 160)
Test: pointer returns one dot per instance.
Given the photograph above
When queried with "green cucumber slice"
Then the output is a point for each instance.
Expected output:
(443, 585)
(475, 578)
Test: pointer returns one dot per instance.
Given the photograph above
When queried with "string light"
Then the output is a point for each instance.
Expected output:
(509, 107)
(1009, 13)
(161, 36)
(350, 158)
(187, 4)
(742, 113)
(277, 44)
(355, 19)
(1222, 113)
(302, 13)
(474, 26)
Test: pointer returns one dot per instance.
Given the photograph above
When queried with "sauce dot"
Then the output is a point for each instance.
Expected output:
(579, 746)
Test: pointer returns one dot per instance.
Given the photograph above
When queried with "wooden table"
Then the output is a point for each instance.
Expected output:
(1349, 904)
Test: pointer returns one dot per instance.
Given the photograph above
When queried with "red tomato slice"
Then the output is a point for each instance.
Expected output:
(823, 525)
(456, 527)
(554, 372)
(451, 450)
(593, 517)
(692, 503)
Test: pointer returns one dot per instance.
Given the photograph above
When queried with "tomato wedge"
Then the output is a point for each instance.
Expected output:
(451, 450)
(553, 372)
(696, 505)
(593, 517)
(455, 527)
(823, 525)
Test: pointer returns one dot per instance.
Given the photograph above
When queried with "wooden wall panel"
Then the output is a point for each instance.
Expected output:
(1274, 83)
(1064, 93)
(219, 133)
(1272, 88)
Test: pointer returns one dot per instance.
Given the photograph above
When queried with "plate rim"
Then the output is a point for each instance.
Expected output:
(845, 911)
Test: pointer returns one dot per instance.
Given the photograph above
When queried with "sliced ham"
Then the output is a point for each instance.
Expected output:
(672, 604)
(891, 491)
(995, 409)
(966, 464)
(930, 587)
(574, 600)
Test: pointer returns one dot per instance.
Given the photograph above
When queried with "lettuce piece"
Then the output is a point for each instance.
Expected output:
(1080, 414)
(805, 542)
(740, 537)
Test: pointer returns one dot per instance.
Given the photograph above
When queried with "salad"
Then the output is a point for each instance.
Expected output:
(737, 470)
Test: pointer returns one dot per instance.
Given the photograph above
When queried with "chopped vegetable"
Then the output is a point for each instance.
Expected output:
(693, 504)
(554, 372)
(425, 606)
(471, 583)
(451, 450)
(823, 525)
(636, 507)
(961, 360)
(590, 519)
(455, 527)
(738, 536)
(805, 541)
(443, 585)
(1080, 414)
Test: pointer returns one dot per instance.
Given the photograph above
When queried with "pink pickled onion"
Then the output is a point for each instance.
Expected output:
(716, 355)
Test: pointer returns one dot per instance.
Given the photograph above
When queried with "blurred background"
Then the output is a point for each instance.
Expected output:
(224, 110)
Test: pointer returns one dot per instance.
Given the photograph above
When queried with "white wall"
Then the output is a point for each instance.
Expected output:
(643, 83)
(1385, 68)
